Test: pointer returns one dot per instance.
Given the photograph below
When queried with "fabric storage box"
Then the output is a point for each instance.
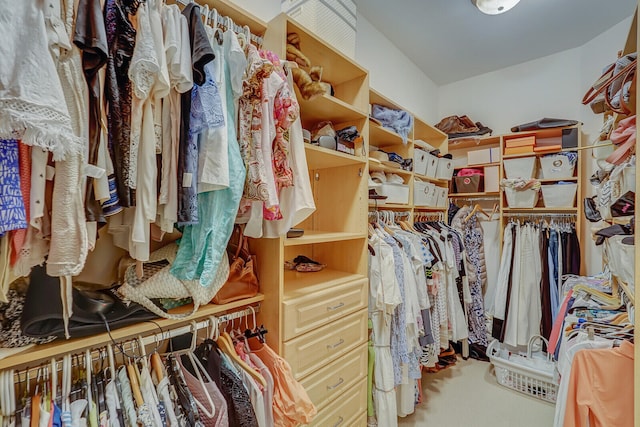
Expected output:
(396, 193)
(495, 154)
(556, 166)
(432, 166)
(521, 199)
(468, 184)
(424, 194)
(420, 161)
(522, 167)
(443, 197)
(559, 195)
(444, 169)
(479, 157)
(333, 20)
(492, 179)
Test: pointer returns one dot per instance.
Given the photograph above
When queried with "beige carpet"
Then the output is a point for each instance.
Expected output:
(467, 395)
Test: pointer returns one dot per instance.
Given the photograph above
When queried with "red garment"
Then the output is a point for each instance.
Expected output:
(18, 236)
(557, 325)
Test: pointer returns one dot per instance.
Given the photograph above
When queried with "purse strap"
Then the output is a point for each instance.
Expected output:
(144, 301)
(629, 75)
(593, 92)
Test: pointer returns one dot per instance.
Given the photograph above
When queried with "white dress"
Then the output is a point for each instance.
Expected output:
(30, 107)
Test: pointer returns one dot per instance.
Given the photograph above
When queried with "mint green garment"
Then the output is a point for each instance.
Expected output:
(202, 245)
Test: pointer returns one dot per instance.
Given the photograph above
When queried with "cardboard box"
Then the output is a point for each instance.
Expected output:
(523, 141)
(479, 157)
(492, 179)
(570, 138)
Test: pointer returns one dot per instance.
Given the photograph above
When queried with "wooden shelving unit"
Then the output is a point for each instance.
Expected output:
(301, 307)
(389, 141)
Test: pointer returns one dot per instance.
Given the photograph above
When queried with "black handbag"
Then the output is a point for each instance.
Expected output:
(591, 211)
(42, 312)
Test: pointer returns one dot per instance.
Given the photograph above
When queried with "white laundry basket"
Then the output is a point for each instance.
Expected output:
(534, 375)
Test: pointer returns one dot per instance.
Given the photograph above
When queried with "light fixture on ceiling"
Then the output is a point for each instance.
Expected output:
(494, 7)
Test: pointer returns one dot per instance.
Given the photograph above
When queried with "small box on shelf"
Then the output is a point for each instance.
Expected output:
(556, 166)
(444, 169)
(491, 179)
(425, 194)
(522, 167)
(479, 157)
(420, 161)
(396, 193)
(559, 195)
(469, 184)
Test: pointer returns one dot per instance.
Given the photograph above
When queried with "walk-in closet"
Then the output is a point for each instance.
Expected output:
(281, 213)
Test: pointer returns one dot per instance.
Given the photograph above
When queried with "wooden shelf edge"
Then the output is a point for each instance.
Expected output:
(489, 194)
(433, 180)
(430, 208)
(482, 165)
(34, 355)
(335, 153)
(313, 237)
(541, 209)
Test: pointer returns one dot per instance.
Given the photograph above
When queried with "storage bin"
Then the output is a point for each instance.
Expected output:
(521, 199)
(495, 154)
(479, 157)
(424, 194)
(522, 167)
(491, 179)
(556, 166)
(444, 169)
(443, 197)
(396, 193)
(559, 195)
(432, 166)
(468, 184)
(420, 161)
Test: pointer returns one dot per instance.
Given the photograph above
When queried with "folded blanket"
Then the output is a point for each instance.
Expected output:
(398, 121)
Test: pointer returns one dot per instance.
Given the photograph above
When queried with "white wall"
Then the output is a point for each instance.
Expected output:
(393, 74)
(552, 86)
(263, 9)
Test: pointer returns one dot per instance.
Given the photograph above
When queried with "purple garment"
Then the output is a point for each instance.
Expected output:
(12, 213)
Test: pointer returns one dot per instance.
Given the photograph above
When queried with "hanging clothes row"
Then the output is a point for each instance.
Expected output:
(420, 300)
(592, 341)
(535, 256)
(225, 379)
(145, 117)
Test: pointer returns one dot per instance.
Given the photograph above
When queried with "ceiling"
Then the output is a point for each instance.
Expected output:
(451, 40)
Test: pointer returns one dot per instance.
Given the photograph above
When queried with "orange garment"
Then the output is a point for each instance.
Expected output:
(291, 403)
(601, 388)
(18, 236)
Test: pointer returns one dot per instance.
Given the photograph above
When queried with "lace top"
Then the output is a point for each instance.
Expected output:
(30, 107)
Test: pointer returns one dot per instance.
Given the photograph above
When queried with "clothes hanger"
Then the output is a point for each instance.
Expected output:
(210, 411)
(134, 382)
(226, 346)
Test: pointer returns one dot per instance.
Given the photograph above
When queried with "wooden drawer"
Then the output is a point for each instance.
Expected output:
(307, 312)
(327, 383)
(348, 410)
(322, 346)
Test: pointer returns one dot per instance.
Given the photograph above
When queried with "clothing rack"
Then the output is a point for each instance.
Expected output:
(225, 22)
(540, 214)
(429, 216)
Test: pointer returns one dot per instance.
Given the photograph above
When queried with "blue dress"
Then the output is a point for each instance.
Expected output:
(12, 213)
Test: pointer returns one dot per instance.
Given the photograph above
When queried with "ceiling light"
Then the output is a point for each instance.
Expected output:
(494, 7)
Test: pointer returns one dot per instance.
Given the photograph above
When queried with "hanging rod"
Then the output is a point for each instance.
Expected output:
(223, 21)
(540, 214)
(491, 198)
(172, 333)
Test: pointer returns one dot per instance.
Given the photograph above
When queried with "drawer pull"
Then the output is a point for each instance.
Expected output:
(331, 387)
(335, 307)
(340, 421)
(339, 343)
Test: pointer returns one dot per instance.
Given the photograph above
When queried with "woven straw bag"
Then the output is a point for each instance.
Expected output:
(158, 282)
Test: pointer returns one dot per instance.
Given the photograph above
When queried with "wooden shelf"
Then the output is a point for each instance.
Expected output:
(382, 205)
(35, 355)
(299, 284)
(516, 156)
(490, 194)
(322, 158)
(540, 209)
(424, 131)
(483, 165)
(337, 67)
(434, 180)
(374, 166)
(376, 97)
(380, 136)
(573, 178)
(327, 107)
(312, 237)
(473, 142)
(429, 208)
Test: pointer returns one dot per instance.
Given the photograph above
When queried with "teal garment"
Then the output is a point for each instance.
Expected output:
(202, 245)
